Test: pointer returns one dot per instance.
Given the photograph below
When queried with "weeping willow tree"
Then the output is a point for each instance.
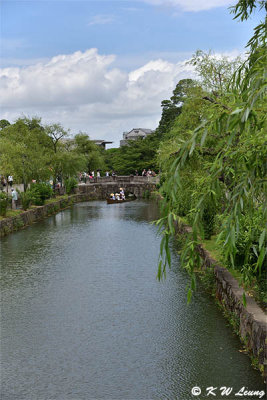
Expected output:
(219, 163)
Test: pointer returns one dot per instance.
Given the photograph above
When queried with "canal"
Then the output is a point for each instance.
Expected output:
(83, 316)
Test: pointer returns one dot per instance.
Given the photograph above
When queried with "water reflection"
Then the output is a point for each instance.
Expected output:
(83, 316)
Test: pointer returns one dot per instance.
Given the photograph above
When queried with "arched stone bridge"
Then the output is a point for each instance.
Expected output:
(100, 188)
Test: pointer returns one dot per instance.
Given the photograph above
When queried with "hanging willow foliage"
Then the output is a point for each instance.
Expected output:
(236, 177)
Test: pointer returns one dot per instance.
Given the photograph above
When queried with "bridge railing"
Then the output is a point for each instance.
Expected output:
(125, 179)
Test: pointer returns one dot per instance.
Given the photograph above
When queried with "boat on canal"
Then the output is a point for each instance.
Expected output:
(111, 201)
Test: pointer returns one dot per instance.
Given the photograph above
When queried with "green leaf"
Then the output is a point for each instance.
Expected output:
(168, 255)
(262, 237)
(159, 275)
(244, 299)
(261, 259)
(192, 147)
(245, 115)
(193, 282)
(162, 243)
(241, 203)
(237, 111)
(189, 296)
(203, 138)
(170, 223)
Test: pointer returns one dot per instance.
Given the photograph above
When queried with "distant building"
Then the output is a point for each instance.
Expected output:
(135, 134)
(101, 143)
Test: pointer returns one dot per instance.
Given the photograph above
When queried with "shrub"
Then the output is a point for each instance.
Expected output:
(63, 204)
(70, 184)
(25, 199)
(251, 224)
(208, 220)
(39, 192)
(3, 203)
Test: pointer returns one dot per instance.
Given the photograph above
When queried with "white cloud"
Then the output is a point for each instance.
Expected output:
(84, 91)
(101, 19)
(191, 5)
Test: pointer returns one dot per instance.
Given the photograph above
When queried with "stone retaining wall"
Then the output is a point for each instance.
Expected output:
(250, 320)
(28, 217)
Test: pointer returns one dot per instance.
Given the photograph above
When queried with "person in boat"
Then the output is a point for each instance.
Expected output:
(117, 195)
(112, 196)
(122, 195)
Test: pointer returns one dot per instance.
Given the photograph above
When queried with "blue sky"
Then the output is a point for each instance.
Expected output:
(39, 29)
(128, 36)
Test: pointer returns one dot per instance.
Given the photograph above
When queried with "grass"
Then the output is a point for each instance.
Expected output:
(11, 213)
(57, 198)
(216, 251)
(213, 248)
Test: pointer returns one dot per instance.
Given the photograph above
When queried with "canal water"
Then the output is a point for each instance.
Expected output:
(83, 316)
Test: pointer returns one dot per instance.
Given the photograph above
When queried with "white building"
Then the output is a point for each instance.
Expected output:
(135, 134)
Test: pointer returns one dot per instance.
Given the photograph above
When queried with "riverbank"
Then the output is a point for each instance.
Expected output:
(37, 213)
(248, 321)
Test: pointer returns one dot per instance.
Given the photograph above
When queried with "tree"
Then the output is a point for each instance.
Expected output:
(214, 72)
(231, 139)
(4, 123)
(22, 151)
(63, 160)
(56, 133)
(137, 155)
(92, 153)
(31, 151)
(172, 108)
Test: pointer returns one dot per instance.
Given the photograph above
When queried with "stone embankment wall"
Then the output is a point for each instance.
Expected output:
(250, 320)
(28, 217)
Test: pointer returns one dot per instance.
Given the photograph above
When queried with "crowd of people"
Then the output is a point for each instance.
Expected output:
(4, 182)
(8, 183)
(148, 172)
(90, 176)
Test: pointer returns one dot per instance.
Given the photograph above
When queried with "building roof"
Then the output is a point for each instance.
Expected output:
(99, 141)
(139, 132)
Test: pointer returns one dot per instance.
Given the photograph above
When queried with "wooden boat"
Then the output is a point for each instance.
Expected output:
(110, 201)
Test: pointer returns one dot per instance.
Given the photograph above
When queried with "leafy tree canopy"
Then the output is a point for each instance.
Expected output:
(30, 151)
(137, 155)
(214, 161)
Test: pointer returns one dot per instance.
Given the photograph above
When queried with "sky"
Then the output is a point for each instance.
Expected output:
(103, 67)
